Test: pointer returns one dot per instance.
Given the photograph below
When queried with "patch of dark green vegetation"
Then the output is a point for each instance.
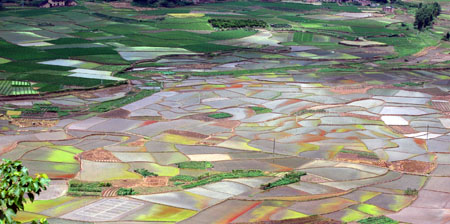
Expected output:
(411, 192)
(378, 220)
(403, 84)
(289, 178)
(183, 178)
(70, 41)
(369, 155)
(145, 173)
(212, 178)
(310, 111)
(162, 3)
(237, 23)
(201, 165)
(261, 110)
(426, 14)
(220, 115)
(77, 188)
(126, 191)
(114, 104)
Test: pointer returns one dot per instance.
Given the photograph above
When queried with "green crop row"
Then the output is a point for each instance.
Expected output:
(202, 165)
(113, 104)
(288, 178)
(126, 191)
(184, 178)
(207, 179)
(220, 115)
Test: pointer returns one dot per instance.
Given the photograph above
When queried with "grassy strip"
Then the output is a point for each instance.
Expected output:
(220, 115)
(207, 179)
(114, 104)
(201, 165)
(86, 189)
(145, 173)
(126, 191)
(369, 155)
(377, 220)
(184, 178)
(288, 178)
(261, 110)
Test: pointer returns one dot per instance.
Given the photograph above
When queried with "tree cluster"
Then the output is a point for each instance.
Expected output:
(162, 3)
(446, 37)
(426, 14)
(17, 187)
(236, 23)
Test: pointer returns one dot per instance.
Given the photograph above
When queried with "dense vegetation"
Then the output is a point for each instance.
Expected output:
(184, 178)
(289, 178)
(77, 188)
(411, 191)
(113, 104)
(220, 115)
(162, 3)
(201, 165)
(126, 191)
(211, 178)
(145, 173)
(237, 23)
(378, 220)
(261, 110)
(426, 14)
(16, 186)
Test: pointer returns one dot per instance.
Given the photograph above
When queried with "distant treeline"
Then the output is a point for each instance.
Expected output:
(236, 23)
(163, 3)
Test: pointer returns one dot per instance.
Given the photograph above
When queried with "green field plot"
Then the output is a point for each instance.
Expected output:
(14, 88)
(184, 23)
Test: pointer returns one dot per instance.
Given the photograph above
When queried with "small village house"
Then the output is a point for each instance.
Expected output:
(57, 3)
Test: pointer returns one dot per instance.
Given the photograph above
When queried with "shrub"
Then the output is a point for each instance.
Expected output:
(411, 191)
(145, 173)
(288, 178)
(261, 110)
(201, 165)
(377, 220)
(220, 115)
(185, 178)
(237, 23)
(207, 178)
(126, 191)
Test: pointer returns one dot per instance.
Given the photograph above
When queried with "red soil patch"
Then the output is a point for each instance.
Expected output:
(366, 117)
(412, 166)
(187, 134)
(379, 163)
(147, 123)
(350, 89)
(441, 105)
(98, 155)
(403, 129)
(227, 124)
(201, 117)
(138, 143)
(117, 113)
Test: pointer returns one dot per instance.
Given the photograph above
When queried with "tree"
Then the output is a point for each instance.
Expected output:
(446, 37)
(425, 15)
(15, 183)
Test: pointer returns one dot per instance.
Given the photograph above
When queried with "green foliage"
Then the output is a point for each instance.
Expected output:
(220, 115)
(289, 178)
(145, 173)
(162, 3)
(261, 110)
(369, 155)
(426, 14)
(409, 84)
(237, 23)
(446, 37)
(207, 178)
(411, 191)
(113, 104)
(77, 188)
(126, 191)
(378, 220)
(15, 183)
(184, 178)
(310, 111)
(201, 165)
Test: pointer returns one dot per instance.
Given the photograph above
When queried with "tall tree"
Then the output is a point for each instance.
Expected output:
(16, 185)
